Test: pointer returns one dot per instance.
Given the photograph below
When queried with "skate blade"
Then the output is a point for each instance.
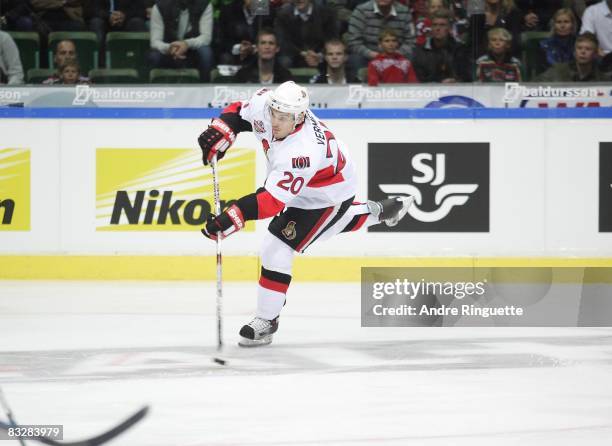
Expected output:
(244, 342)
(402, 213)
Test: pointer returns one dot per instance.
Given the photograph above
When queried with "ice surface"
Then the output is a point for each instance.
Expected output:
(86, 354)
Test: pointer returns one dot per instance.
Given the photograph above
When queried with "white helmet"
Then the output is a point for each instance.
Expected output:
(289, 97)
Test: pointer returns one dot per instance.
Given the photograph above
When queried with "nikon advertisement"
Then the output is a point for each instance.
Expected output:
(14, 189)
(164, 189)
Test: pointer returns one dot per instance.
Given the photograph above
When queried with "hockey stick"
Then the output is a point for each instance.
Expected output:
(216, 194)
(9, 413)
(93, 441)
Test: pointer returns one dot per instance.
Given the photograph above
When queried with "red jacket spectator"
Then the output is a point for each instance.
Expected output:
(390, 69)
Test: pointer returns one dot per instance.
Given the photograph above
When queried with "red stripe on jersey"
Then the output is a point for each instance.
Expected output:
(267, 205)
(273, 285)
(315, 228)
(360, 222)
(325, 177)
(234, 107)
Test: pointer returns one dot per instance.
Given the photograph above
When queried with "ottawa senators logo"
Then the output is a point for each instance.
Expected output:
(301, 162)
(289, 232)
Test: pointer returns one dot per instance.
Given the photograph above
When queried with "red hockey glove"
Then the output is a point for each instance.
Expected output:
(230, 221)
(216, 139)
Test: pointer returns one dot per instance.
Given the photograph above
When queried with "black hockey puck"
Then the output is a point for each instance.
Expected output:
(220, 361)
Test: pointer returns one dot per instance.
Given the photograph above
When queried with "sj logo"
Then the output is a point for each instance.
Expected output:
(449, 182)
(431, 171)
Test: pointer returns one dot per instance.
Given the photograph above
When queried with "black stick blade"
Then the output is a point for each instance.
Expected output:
(93, 441)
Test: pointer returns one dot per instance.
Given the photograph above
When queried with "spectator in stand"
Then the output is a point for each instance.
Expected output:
(58, 15)
(65, 51)
(366, 23)
(237, 29)
(597, 19)
(16, 15)
(537, 14)
(115, 15)
(333, 70)
(498, 65)
(442, 58)
(390, 67)
(423, 23)
(11, 71)
(559, 47)
(264, 67)
(583, 69)
(303, 27)
(498, 14)
(181, 32)
(70, 74)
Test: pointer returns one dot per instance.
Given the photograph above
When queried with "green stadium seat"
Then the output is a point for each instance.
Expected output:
(28, 44)
(174, 76)
(114, 76)
(303, 75)
(530, 41)
(86, 46)
(37, 75)
(128, 50)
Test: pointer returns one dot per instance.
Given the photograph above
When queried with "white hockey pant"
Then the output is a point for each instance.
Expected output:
(277, 260)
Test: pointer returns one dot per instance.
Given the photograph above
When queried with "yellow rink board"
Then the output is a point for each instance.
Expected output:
(335, 269)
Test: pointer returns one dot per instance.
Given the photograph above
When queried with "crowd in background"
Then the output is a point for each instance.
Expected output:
(342, 41)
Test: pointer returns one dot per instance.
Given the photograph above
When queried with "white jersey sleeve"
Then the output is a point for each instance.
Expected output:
(254, 107)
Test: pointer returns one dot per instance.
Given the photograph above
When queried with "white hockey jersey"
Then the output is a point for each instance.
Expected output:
(308, 169)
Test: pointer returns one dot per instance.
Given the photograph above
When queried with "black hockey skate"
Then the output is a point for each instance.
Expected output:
(391, 210)
(258, 332)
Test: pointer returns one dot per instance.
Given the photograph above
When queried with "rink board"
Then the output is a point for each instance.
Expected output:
(533, 189)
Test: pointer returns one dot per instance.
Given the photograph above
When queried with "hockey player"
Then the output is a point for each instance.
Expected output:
(309, 190)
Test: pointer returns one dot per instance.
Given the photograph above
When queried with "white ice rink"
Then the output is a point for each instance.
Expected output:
(86, 354)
